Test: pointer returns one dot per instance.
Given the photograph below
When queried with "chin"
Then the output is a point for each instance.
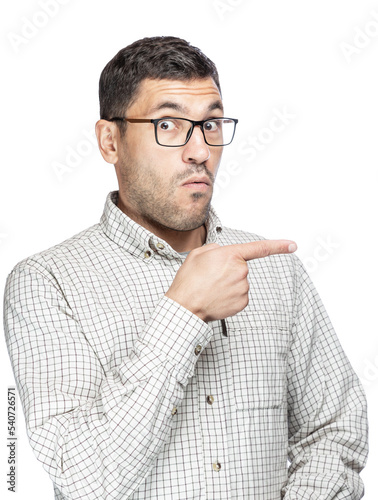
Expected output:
(190, 223)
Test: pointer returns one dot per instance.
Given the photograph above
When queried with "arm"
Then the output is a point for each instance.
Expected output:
(327, 407)
(97, 434)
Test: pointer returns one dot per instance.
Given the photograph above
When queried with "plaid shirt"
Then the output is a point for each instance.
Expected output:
(127, 394)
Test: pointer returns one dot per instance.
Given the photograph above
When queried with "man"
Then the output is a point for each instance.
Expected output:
(161, 355)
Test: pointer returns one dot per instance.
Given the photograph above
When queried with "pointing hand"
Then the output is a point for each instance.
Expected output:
(212, 282)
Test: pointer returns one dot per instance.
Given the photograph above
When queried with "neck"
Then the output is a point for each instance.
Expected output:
(181, 241)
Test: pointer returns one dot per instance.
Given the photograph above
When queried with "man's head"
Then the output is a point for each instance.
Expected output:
(154, 78)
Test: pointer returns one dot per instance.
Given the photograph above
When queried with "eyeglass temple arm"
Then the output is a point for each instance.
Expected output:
(131, 120)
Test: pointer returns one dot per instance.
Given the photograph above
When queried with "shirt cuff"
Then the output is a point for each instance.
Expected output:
(177, 333)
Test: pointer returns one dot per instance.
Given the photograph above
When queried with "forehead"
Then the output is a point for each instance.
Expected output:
(154, 93)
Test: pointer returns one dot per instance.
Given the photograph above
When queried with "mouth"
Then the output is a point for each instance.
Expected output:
(198, 183)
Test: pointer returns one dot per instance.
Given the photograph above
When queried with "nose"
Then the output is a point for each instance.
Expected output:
(196, 150)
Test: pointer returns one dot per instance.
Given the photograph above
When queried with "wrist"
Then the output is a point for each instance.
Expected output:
(185, 303)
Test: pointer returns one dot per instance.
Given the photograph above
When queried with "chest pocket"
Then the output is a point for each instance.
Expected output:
(259, 343)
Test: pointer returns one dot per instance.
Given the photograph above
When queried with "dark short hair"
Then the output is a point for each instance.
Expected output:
(159, 57)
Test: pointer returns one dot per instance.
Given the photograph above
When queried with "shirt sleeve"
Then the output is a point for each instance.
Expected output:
(326, 407)
(97, 434)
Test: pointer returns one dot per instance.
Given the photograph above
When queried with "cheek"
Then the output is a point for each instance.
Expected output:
(158, 170)
(165, 162)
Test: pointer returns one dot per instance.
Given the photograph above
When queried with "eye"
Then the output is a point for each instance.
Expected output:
(211, 126)
(166, 125)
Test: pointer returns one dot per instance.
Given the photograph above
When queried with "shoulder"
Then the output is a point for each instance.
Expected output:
(77, 247)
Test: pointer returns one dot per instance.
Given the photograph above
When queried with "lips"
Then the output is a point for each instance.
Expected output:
(197, 180)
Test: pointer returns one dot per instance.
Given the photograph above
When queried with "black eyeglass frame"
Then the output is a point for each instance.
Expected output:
(194, 123)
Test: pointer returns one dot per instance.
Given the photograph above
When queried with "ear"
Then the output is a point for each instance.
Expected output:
(107, 134)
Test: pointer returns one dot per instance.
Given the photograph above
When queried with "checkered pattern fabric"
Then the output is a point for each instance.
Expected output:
(127, 394)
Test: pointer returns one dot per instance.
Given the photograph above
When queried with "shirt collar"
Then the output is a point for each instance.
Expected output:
(137, 240)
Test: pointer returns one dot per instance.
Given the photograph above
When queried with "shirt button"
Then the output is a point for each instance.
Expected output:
(174, 411)
(217, 466)
(197, 350)
(210, 400)
(147, 254)
(160, 246)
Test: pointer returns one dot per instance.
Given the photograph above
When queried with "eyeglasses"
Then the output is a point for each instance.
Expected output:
(175, 132)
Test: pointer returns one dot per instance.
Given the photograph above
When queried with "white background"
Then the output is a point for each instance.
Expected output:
(314, 180)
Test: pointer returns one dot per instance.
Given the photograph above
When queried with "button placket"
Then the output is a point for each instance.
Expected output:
(213, 426)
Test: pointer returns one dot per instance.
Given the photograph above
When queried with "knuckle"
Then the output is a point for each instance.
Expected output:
(199, 250)
(193, 253)
(206, 248)
(244, 275)
(243, 290)
(241, 271)
(245, 301)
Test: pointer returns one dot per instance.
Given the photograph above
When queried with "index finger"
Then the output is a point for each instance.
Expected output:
(264, 248)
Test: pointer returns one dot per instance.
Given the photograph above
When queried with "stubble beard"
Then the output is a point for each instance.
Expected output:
(156, 208)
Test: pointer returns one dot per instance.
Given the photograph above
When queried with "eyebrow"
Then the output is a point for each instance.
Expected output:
(216, 105)
(182, 109)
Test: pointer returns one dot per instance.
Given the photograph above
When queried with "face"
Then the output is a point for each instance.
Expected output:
(169, 187)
